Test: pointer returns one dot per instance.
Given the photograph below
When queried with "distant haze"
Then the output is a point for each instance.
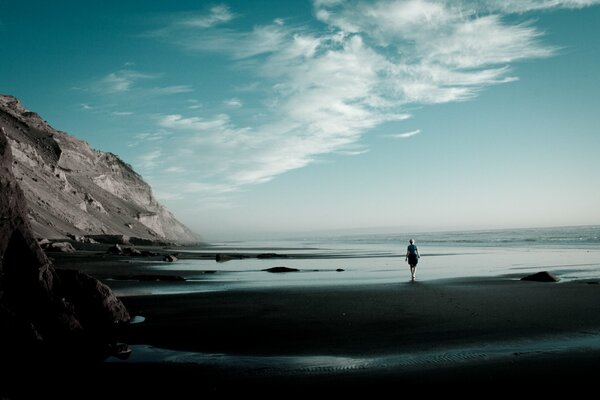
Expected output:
(271, 117)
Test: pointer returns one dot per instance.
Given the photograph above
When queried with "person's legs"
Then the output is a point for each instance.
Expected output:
(412, 272)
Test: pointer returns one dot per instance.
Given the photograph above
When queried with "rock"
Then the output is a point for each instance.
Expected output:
(124, 251)
(219, 257)
(94, 303)
(339, 270)
(80, 239)
(63, 247)
(131, 251)
(43, 242)
(543, 276)
(281, 269)
(120, 350)
(116, 249)
(42, 314)
(169, 258)
(110, 239)
(271, 255)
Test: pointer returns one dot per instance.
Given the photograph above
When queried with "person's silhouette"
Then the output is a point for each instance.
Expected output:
(412, 256)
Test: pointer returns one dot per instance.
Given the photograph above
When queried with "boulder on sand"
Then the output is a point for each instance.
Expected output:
(63, 247)
(543, 276)
(281, 269)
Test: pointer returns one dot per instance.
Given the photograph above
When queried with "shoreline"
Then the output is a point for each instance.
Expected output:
(362, 320)
(344, 338)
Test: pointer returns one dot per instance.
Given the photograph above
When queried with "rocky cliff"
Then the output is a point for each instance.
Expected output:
(74, 190)
(44, 311)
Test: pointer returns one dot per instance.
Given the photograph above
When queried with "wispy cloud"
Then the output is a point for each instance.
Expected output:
(122, 113)
(122, 80)
(194, 104)
(150, 136)
(405, 134)
(233, 102)
(325, 87)
(167, 90)
(523, 6)
(151, 159)
(217, 15)
(127, 81)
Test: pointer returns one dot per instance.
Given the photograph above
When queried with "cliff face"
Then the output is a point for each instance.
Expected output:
(43, 309)
(72, 189)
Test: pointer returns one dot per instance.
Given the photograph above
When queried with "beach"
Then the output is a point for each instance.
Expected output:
(349, 331)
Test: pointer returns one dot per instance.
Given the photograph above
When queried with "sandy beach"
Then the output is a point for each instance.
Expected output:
(354, 337)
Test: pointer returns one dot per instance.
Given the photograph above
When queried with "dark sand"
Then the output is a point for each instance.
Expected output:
(349, 338)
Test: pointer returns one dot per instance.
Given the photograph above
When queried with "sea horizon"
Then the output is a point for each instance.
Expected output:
(570, 253)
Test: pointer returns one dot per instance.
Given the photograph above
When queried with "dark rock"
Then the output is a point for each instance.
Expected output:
(80, 239)
(110, 239)
(131, 251)
(543, 276)
(124, 251)
(339, 270)
(43, 242)
(63, 247)
(271, 255)
(219, 257)
(281, 269)
(120, 350)
(169, 258)
(116, 249)
(94, 303)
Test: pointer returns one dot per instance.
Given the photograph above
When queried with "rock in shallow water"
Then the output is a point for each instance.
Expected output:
(543, 276)
(281, 269)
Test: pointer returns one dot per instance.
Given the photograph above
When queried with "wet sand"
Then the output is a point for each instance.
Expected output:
(360, 337)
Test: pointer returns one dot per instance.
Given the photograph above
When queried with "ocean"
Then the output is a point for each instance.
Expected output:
(571, 253)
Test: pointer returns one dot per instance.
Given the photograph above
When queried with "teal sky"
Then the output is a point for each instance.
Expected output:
(261, 117)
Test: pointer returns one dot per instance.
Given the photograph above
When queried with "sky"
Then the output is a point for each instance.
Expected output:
(258, 118)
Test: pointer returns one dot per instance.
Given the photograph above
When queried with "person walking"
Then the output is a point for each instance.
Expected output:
(412, 256)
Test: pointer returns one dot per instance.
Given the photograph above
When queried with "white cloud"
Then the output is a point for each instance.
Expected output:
(174, 169)
(326, 88)
(125, 81)
(121, 81)
(194, 124)
(150, 160)
(167, 90)
(217, 15)
(150, 136)
(122, 113)
(199, 187)
(522, 6)
(405, 134)
(233, 102)
(194, 104)
(260, 40)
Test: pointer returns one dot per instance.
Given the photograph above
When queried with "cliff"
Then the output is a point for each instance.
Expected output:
(45, 311)
(74, 190)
